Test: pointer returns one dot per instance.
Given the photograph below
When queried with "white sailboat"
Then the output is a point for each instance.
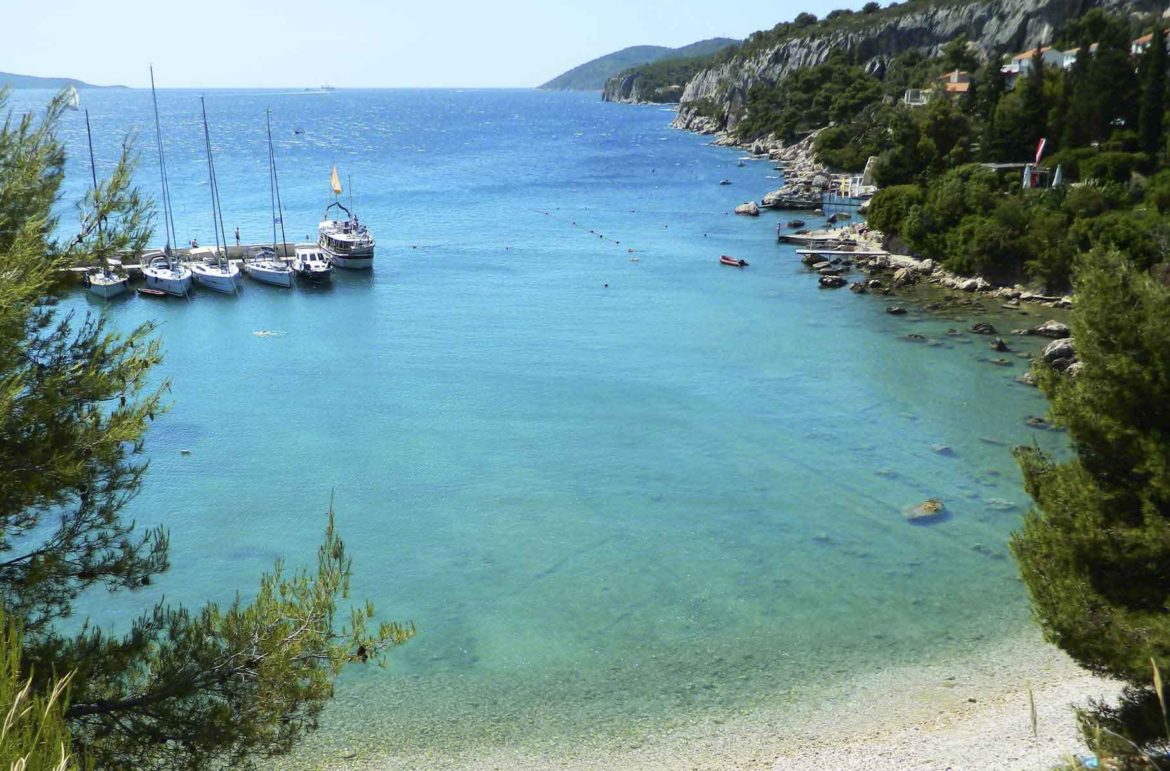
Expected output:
(109, 280)
(265, 265)
(106, 282)
(72, 99)
(163, 272)
(210, 267)
(349, 243)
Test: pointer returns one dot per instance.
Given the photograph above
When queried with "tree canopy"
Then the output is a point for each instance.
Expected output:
(207, 688)
(1095, 550)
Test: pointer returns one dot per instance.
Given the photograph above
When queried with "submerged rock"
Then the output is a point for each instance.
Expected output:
(895, 310)
(982, 328)
(930, 510)
(833, 282)
(998, 345)
(942, 449)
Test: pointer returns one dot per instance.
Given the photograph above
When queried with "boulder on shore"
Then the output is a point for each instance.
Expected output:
(905, 277)
(748, 209)
(1053, 329)
(1058, 350)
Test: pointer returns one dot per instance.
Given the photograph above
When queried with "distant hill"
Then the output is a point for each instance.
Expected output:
(12, 80)
(591, 76)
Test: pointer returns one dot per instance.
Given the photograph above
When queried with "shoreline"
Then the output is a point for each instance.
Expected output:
(966, 711)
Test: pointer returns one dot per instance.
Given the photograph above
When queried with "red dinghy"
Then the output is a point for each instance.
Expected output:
(733, 262)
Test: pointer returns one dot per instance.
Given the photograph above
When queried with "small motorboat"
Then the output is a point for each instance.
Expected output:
(733, 262)
(725, 181)
(157, 294)
(312, 264)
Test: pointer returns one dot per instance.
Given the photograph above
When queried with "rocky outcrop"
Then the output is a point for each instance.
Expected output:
(748, 209)
(714, 99)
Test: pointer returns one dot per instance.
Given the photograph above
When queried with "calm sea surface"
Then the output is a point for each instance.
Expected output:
(616, 497)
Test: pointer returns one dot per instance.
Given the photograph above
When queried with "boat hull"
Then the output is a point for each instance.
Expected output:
(273, 275)
(173, 281)
(351, 261)
(223, 280)
(314, 276)
(108, 290)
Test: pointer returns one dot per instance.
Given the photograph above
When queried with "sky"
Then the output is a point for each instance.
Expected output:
(359, 43)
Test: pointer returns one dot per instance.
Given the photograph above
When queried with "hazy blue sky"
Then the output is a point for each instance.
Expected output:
(299, 43)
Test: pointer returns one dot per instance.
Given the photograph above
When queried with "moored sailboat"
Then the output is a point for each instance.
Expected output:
(210, 267)
(108, 280)
(163, 272)
(264, 265)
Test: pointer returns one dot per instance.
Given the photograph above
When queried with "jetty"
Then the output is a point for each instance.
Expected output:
(133, 263)
(850, 252)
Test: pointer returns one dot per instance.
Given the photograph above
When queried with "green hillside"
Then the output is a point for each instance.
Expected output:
(12, 80)
(591, 76)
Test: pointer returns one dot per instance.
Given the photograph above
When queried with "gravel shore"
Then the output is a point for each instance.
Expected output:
(965, 712)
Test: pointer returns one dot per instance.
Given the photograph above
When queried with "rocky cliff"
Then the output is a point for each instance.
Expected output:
(713, 98)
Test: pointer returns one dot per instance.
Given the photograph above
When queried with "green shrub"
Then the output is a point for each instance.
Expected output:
(890, 206)
(1112, 166)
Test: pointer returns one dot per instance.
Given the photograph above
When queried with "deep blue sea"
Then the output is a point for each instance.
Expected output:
(616, 497)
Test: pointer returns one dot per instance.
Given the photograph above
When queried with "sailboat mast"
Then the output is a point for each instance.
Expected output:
(216, 211)
(276, 191)
(93, 171)
(168, 216)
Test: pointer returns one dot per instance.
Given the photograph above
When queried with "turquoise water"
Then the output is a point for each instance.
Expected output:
(616, 497)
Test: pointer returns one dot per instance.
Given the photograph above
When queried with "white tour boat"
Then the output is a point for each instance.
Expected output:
(349, 243)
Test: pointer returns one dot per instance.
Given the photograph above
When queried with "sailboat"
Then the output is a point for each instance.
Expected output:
(107, 280)
(72, 98)
(266, 266)
(211, 267)
(163, 272)
(348, 243)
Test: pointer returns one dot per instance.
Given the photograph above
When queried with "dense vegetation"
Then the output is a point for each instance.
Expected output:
(592, 75)
(1103, 122)
(213, 687)
(1095, 552)
(663, 81)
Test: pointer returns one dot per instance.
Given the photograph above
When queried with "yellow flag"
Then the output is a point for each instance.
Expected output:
(335, 182)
